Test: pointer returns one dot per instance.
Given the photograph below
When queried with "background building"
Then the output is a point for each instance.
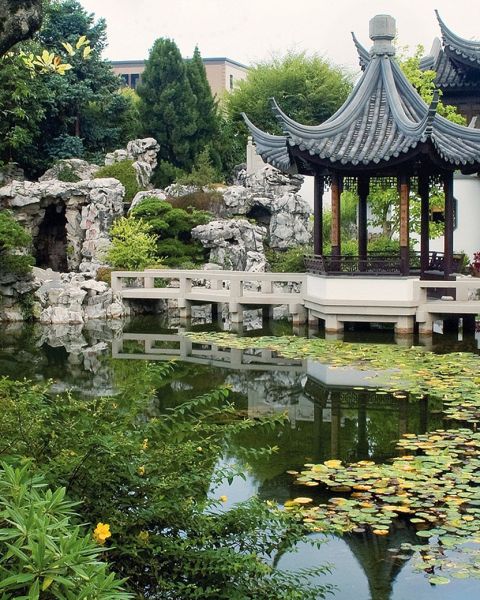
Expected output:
(222, 73)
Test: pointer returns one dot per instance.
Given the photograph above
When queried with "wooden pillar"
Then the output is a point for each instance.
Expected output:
(404, 182)
(363, 191)
(449, 223)
(424, 192)
(336, 226)
(318, 214)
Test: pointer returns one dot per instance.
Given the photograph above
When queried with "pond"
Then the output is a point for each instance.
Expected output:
(334, 412)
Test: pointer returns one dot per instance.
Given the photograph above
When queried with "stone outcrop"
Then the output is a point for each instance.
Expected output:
(11, 172)
(18, 21)
(81, 169)
(143, 153)
(272, 199)
(235, 244)
(74, 298)
(69, 222)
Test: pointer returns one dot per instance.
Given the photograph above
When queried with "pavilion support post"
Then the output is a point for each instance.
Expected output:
(319, 186)
(423, 192)
(449, 224)
(363, 191)
(404, 182)
(336, 189)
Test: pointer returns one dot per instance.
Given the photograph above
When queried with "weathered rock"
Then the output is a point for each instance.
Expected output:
(18, 21)
(88, 208)
(143, 153)
(11, 172)
(234, 244)
(177, 190)
(79, 168)
(271, 198)
(76, 298)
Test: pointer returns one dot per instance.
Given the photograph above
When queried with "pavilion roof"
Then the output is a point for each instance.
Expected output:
(383, 122)
(465, 52)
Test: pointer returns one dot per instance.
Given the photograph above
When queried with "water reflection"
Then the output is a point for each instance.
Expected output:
(332, 413)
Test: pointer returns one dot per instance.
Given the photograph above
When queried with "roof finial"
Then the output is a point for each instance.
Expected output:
(382, 32)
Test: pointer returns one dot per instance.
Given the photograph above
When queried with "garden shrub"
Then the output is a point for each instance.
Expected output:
(42, 552)
(14, 247)
(173, 228)
(126, 175)
(67, 174)
(288, 261)
(133, 245)
(203, 172)
(210, 201)
(65, 146)
(150, 476)
(165, 174)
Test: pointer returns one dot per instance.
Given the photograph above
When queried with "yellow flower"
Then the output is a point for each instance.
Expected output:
(141, 471)
(101, 533)
(223, 498)
(145, 444)
(143, 536)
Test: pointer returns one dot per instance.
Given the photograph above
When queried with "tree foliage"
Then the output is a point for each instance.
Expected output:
(308, 88)
(133, 245)
(14, 247)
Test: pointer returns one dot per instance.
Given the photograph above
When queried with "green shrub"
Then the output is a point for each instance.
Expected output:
(203, 172)
(133, 245)
(67, 174)
(14, 246)
(165, 174)
(288, 261)
(65, 146)
(42, 552)
(126, 175)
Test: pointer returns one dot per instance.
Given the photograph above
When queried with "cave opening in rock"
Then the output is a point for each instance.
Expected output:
(260, 215)
(51, 241)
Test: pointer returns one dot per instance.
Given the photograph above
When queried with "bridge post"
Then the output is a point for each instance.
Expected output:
(299, 314)
(185, 309)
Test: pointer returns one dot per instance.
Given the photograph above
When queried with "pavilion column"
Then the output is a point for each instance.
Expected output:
(336, 189)
(363, 191)
(423, 192)
(404, 182)
(449, 224)
(319, 186)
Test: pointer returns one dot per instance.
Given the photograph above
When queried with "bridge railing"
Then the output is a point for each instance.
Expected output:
(235, 283)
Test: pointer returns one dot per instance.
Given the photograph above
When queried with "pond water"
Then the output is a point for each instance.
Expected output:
(328, 418)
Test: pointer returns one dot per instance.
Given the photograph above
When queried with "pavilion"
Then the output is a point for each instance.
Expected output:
(384, 131)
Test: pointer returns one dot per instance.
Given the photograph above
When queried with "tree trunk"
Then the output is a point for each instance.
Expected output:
(18, 21)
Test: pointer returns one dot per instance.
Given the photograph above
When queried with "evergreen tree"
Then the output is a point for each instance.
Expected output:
(168, 107)
(207, 126)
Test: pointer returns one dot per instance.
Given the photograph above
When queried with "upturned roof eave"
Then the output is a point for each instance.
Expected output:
(459, 49)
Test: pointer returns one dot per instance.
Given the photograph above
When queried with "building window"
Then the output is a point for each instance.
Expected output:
(134, 80)
(231, 82)
(124, 76)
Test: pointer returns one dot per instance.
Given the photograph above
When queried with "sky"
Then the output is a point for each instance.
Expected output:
(249, 31)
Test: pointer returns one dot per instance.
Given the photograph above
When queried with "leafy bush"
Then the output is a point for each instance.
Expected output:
(66, 146)
(41, 550)
(126, 175)
(133, 245)
(67, 174)
(203, 172)
(288, 261)
(14, 245)
(165, 174)
(173, 227)
(149, 475)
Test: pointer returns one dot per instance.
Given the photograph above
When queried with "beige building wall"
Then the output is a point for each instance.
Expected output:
(222, 73)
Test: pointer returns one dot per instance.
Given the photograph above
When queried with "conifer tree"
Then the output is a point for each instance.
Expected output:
(207, 127)
(168, 107)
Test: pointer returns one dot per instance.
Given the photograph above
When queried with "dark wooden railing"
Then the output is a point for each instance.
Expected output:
(375, 264)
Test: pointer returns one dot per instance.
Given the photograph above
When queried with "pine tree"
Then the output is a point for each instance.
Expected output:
(168, 107)
(207, 127)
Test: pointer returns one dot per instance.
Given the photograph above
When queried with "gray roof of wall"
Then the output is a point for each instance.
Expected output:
(384, 120)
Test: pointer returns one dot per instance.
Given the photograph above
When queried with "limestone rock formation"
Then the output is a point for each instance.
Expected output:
(271, 198)
(69, 222)
(143, 153)
(235, 244)
(74, 298)
(81, 169)
(18, 21)
(158, 194)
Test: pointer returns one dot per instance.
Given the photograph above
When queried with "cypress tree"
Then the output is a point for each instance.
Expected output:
(207, 127)
(168, 107)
